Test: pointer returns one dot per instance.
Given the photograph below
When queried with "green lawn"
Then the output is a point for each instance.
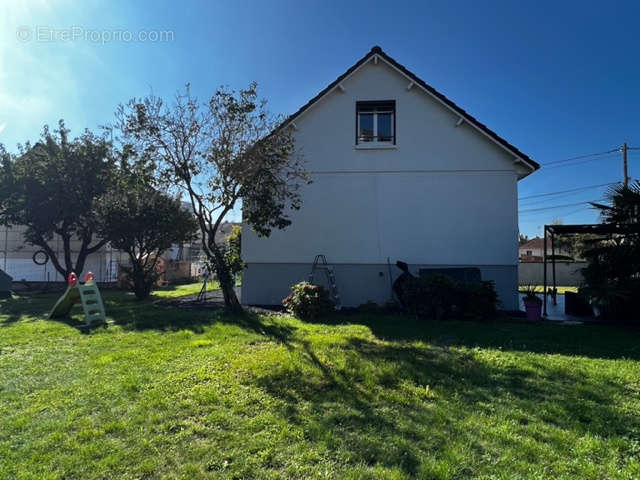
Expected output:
(182, 290)
(173, 394)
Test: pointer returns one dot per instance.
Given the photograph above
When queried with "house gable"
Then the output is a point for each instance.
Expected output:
(443, 195)
(425, 119)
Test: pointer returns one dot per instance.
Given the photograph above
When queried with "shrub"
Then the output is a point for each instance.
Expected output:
(308, 301)
(441, 297)
(431, 296)
(478, 299)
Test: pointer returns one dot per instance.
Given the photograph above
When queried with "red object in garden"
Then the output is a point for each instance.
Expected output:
(89, 277)
(72, 279)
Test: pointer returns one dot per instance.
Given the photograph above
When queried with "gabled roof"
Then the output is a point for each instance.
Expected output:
(536, 242)
(377, 52)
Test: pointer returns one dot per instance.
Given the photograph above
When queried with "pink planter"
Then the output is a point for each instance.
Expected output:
(534, 309)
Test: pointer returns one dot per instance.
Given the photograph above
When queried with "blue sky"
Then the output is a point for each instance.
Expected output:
(556, 79)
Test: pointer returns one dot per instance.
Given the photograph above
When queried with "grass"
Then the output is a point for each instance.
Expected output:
(182, 394)
(561, 290)
(183, 290)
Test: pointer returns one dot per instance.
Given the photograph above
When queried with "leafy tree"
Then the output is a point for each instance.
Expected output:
(234, 248)
(227, 151)
(612, 276)
(51, 189)
(624, 204)
(522, 239)
(143, 223)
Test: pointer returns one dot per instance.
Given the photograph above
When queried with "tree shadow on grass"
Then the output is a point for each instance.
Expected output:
(580, 402)
(391, 404)
(131, 314)
(594, 341)
(15, 308)
(125, 310)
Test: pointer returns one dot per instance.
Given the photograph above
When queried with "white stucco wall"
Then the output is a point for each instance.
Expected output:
(445, 195)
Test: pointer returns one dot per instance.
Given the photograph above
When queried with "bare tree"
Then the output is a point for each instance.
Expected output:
(221, 154)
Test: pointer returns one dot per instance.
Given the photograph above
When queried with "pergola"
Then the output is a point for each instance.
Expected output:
(596, 228)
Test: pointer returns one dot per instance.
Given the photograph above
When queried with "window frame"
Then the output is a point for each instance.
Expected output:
(374, 104)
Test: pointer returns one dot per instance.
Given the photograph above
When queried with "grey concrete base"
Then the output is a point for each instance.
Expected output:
(269, 283)
(567, 274)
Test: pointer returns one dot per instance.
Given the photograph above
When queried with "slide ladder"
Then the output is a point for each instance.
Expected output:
(87, 294)
(92, 303)
(320, 263)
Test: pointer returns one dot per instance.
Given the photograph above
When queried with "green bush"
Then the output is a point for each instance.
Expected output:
(441, 297)
(308, 301)
(478, 300)
(431, 297)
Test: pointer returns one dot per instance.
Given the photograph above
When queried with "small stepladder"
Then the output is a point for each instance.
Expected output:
(202, 296)
(320, 263)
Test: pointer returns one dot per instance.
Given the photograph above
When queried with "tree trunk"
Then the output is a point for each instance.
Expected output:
(142, 278)
(226, 280)
(52, 256)
(141, 286)
(80, 260)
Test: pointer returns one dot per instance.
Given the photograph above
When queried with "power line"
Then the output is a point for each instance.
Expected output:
(530, 217)
(577, 189)
(579, 162)
(575, 211)
(545, 201)
(559, 206)
(579, 157)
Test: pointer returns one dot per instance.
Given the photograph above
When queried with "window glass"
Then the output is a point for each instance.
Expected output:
(366, 127)
(385, 133)
(375, 121)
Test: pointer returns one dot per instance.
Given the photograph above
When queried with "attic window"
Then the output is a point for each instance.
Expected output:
(376, 122)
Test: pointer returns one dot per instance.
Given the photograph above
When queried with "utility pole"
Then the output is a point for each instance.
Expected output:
(625, 164)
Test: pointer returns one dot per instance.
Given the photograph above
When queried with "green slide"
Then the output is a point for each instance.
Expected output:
(88, 295)
(65, 303)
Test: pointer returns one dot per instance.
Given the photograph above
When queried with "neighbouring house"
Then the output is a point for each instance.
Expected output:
(533, 251)
(18, 258)
(399, 172)
(25, 262)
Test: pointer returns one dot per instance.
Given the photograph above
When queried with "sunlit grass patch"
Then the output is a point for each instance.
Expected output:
(174, 393)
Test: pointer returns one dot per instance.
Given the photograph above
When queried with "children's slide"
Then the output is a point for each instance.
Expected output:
(87, 294)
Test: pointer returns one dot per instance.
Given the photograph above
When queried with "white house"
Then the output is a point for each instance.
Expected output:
(399, 173)
(533, 250)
